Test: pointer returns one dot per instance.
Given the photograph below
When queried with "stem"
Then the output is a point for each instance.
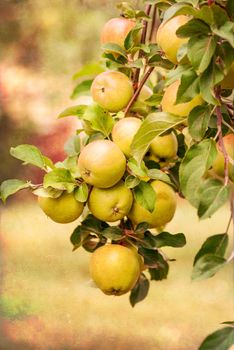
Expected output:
(153, 25)
(229, 126)
(138, 90)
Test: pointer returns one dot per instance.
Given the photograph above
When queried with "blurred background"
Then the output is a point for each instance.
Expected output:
(46, 298)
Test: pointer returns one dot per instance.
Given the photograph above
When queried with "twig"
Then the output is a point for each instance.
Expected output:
(229, 126)
(154, 20)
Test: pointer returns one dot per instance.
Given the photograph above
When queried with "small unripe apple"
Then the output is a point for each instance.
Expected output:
(123, 133)
(228, 81)
(112, 90)
(63, 209)
(116, 30)
(218, 165)
(101, 163)
(164, 210)
(110, 204)
(115, 269)
(164, 146)
(167, 39)
(180, 109)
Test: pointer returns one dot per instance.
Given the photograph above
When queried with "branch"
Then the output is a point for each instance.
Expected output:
(153, 25)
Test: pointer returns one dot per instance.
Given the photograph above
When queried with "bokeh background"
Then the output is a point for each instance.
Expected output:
(47, 300)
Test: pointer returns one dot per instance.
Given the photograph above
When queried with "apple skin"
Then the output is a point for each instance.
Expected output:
(164, 146)
(164, 211)
(110, 204)
(123, 133)
(228, 81)
(63, 209)
(167, 39)
(180, 109)
(112, 90)
(115, 269)
(218, 165)
(101, 163)
(116, 30)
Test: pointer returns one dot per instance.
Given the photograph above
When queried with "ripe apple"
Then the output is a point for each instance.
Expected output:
(164, 210)
(115, 269)
(63, 209)
(110, 204)
(167, 39)
(180, 109)
(101, 163)
(218, 165)
(135, 251)
(228, 81)
(116, 30)
(164, 146)
(112, 90)
(123, 133)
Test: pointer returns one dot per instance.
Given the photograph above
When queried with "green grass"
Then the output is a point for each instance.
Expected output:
(47, 300)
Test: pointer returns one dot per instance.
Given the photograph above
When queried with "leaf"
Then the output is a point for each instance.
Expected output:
(81, 88)
(157, 174)
(198, 121)
(47, 193)
(138, 170)
(140, 291)
(192, 28)
(229, 322)
(78, 236)
(176, 73)
(132, 181)
(154, 125)
(89, 69)
(133, 35)
(230, 8)
(178, 9)
(197, 160)
(100, 119)
(226, 32)
(72, 146)
(200, 51)
(114, 233)
(166, 239)
(60, 179)
(29, 154)
(94, 225)
(158, 267)
(81, 193)
(9, 187)
(216, 245)
(222, 339)
(209, 78)
(145, 196)
(141, 228)
(157, 61)
(114, 48)
(189, 86)
(212, 194)
(207, 266)
(77, 111)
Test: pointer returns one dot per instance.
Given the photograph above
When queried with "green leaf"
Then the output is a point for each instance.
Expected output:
(78, 236)
(229, 322)
(60, 179)
(230, 9)
(154, 100)
(219, 14)
(205, 14)
(72, 146)
(222, 339)
(188, 88)
(158, 266)
(114, 233)
(212, 76)
(216, 245)
(157, 174)
(200, 51)
(29, 154)
(193, 27)
(100, 119)
(82, 192)
(197, 160)
(132, 181)
(133, 35)
(157, 61)
(207, 266)
(212, 194)
(176, 73)
(155, 124)
(226, 32)
(166, 239)
(141, 228)
(70, 163)
(81, 88)
(140, 291)
(114, 48)
(145, 195)
(77, 111)
(198, 121)
(137, 169)
(9, 187)
(89, 69)
(48, 192)
(94, 225)
(178, 9)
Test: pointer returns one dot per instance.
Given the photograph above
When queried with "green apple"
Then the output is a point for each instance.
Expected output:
(218, 165)
(116, 30)
(123, 133)
(180, 109)
(115, 269)
(63, 209)
(228, 81)
(110, 204)
(101, 163)
(167, 39)
(164, 146)
(112, 90)
(164, 210)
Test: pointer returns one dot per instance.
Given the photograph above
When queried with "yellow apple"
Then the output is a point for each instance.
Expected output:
(63, 209)
(167, 39)
(164, 210)
(116, 30)
(115, 269)
(180, 109)
(228, 81)
(135, 251)
(101, 163)
(110, 204)
(218, 165)
(164, 146)
(112, 90)
(123, 133)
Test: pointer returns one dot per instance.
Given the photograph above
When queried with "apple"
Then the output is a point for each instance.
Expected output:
(112, 90)
(114, 268)
(165, 207)
(164, 146)
(218, 165)
(116, 30)
(101, 163)
(167, 39)
(63, 209)
(180, 109)
(135, 251)
(123, 133)
(228, 81)
(139, 106)
(110, 204)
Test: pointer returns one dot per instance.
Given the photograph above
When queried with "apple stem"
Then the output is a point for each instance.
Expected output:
(138, 90)
(154, 24)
